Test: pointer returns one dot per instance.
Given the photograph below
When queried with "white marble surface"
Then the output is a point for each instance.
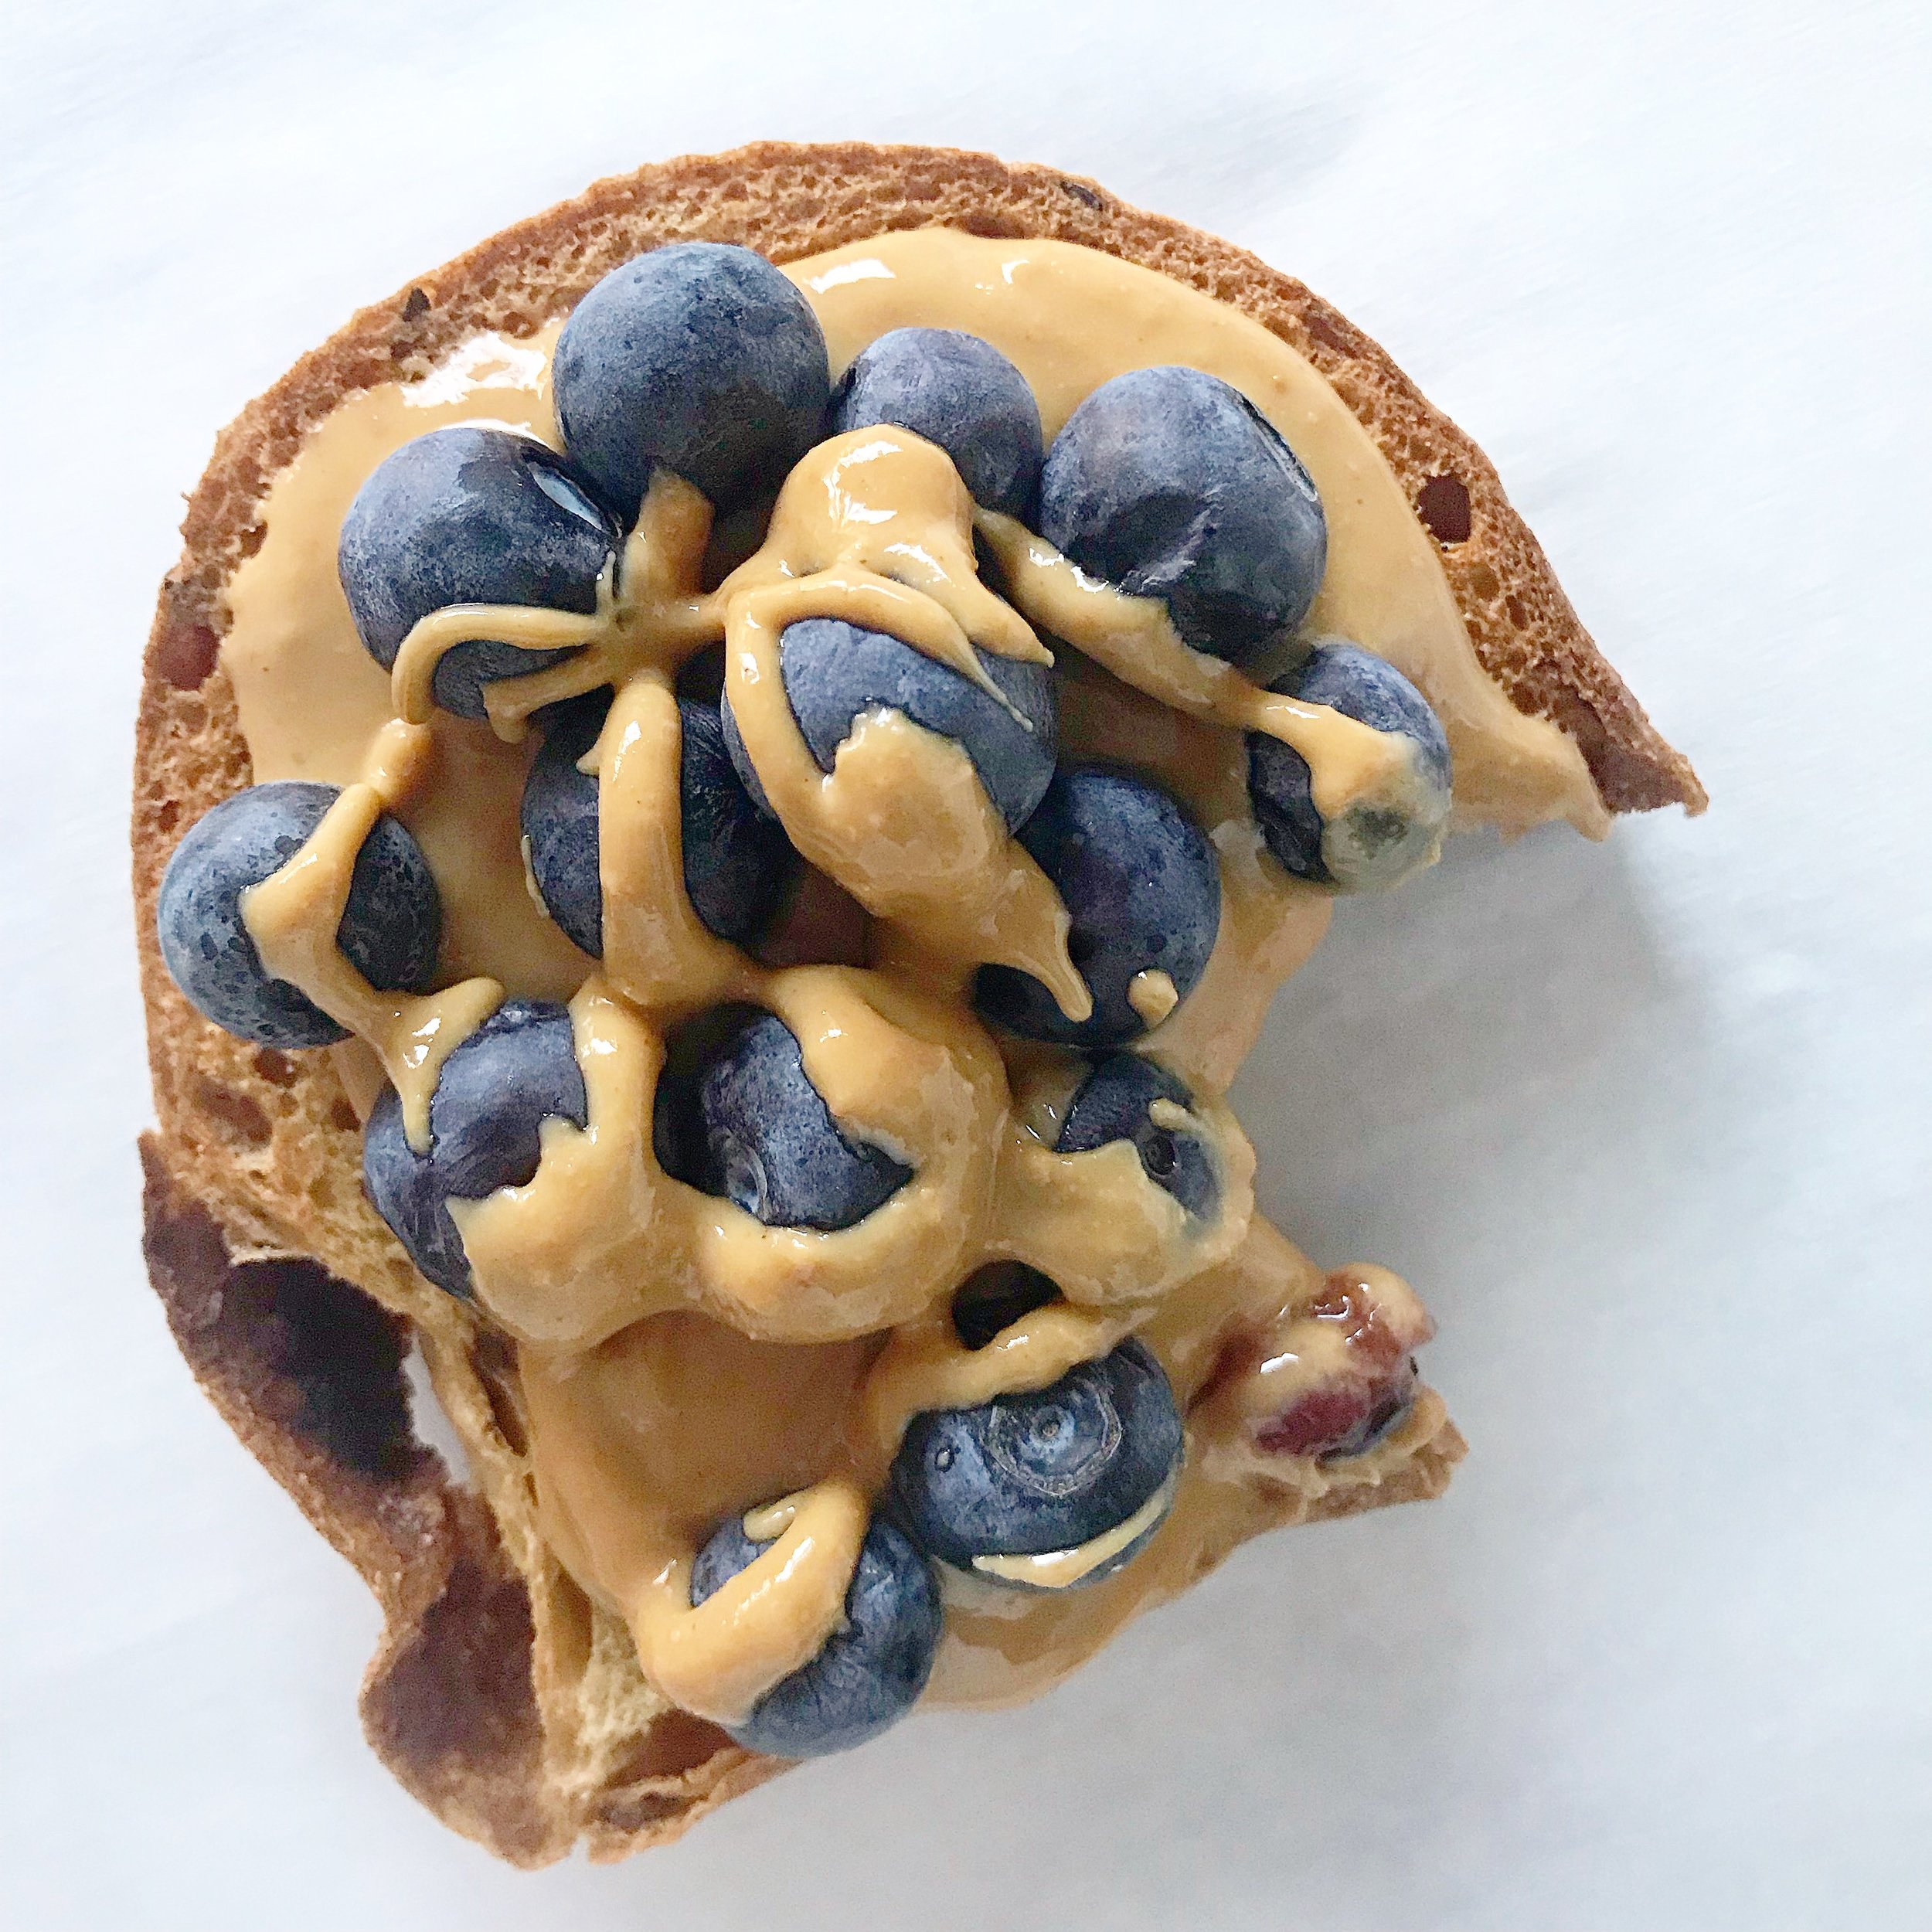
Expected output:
(1647, 1123)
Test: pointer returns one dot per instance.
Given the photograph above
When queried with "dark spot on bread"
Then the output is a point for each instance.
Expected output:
(676, 1743)
(633, 1813)
(1081, 193)
(309, 1368)
(1327, 330)
(1443, 505)
(455, 1713)
(466, 1680)
(336, 1357)
(991, 225)
(415, 306)
(185, 655)
(167, 815)
(278, 1069)
(343, 1117)
(1512, 606)
(251, 539)
(238, 1116)
(311, 1355)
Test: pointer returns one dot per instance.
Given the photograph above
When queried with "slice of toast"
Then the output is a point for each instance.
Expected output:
(498, 1695)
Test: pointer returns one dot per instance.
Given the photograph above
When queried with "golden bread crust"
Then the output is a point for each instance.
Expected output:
(500, 1696)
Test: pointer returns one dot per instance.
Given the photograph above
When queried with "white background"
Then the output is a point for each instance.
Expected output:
(1646, 1123)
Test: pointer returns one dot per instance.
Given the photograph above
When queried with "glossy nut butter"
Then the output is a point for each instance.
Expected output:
(679, 1360)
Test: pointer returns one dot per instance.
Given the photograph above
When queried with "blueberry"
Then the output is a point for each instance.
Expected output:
(740, 1118)
(1368, 849)
(994, 1298)
(1169, 484)
(467, 514)
(1114, 1104)
(956, 390)
(873, 1667)
(737, 861)
(517, 1070)
(833, 671)
(388, 930)
(700, 358)
(1143, 889)
(1025, 1475)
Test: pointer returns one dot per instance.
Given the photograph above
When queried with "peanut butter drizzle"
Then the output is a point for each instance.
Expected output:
(1350, 764)
(292, 916)
(901, 821)
(680, 1360)
(1151, 995)
(1004, 1646)
(1062, 1569)
(1071, 318)
(797, 1404)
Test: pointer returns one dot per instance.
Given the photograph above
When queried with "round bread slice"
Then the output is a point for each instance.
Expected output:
(498, 1695)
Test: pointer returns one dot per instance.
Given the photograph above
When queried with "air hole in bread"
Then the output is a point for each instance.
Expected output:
(494, 1361)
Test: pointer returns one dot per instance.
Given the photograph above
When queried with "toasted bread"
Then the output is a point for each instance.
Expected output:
(499, 1696)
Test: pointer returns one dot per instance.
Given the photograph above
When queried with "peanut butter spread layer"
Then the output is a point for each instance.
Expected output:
(685, 1364)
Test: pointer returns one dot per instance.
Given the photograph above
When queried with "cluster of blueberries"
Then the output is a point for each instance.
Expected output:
(1021, 1474)
(704, 361)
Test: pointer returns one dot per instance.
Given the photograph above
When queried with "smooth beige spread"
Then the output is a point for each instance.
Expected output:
(679, 1360)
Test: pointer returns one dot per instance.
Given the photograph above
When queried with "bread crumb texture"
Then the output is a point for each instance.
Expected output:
(501, 1696)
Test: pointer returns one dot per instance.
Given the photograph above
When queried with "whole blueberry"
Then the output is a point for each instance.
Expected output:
(1143, 888)
(1114, 1102)
(737, 861)
(1170, 484)
(699, 358)
(467, 514)
(872, 1669)
(1370, 848)
(834, 672)
(743, 1121)
(517, 1070)
(1025, 1475)
(956, 390)
(389, 931)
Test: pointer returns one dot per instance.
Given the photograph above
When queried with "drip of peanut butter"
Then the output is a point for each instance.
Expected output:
(292, 917)
(901, 821)
(680, 1361)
